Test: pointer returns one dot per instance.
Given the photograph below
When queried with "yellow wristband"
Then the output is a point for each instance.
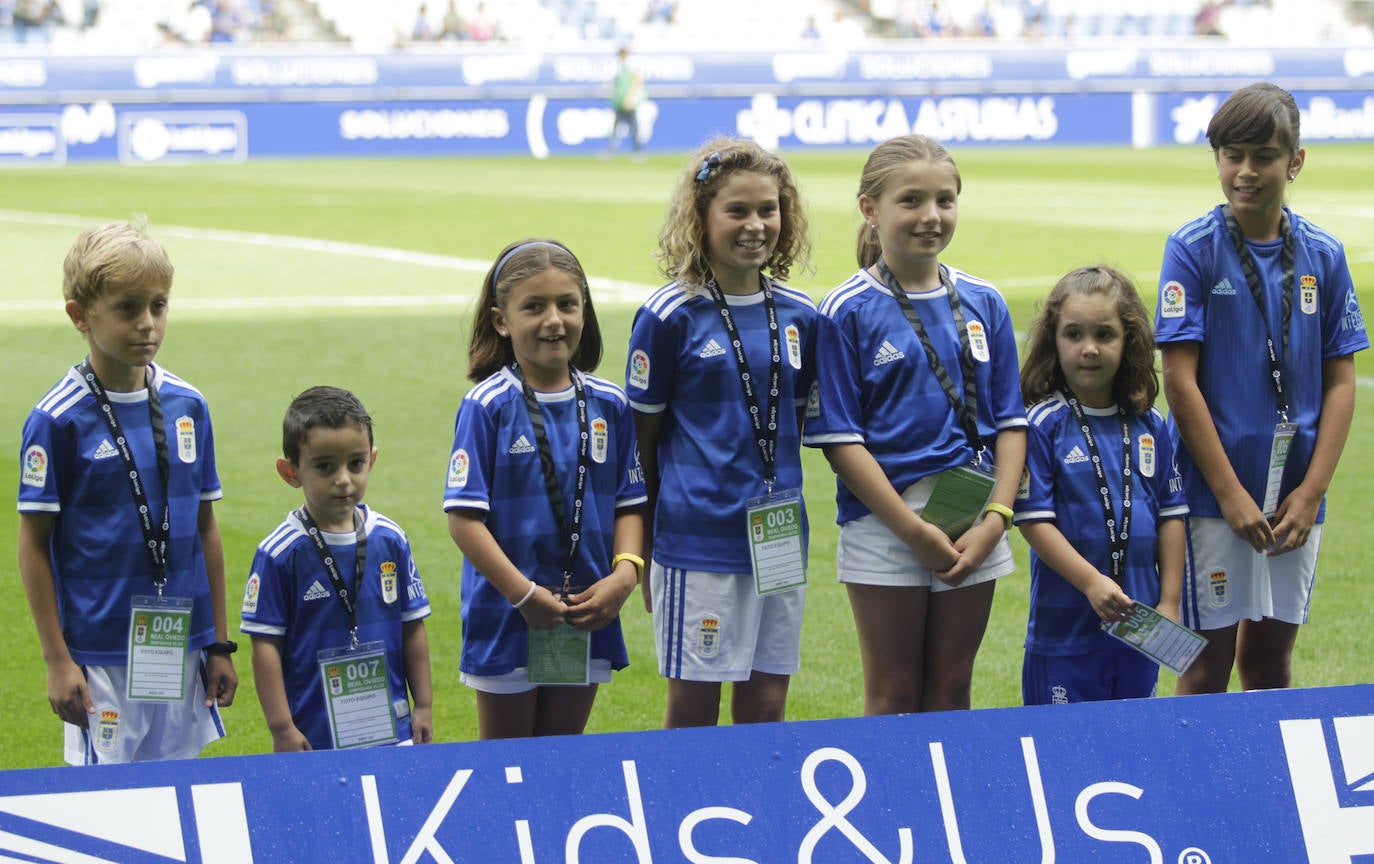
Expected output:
(633, 559)
(1001, 510)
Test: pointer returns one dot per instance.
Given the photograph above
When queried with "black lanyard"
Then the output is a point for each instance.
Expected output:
(551, 484)
(1117, 540)
(331, 567)
(765, 434)
(1247, 266)
(965, 408)
(155, 536)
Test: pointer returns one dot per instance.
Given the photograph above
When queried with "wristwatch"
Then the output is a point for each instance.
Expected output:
(225, 648)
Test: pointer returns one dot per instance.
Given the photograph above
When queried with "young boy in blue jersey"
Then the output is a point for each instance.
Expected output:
(543, 495)
(721, 360)
(1258, 323)
(1089, 379)
(334, 604)
(119, 550)
(917, 390)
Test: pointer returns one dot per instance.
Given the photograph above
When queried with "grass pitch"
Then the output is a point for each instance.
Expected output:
(362, 274)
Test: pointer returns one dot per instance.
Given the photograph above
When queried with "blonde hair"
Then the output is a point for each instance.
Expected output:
(682, 242)
(114, 257)
(885, 160)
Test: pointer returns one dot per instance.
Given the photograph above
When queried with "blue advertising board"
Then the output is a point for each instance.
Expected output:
(1278, 776)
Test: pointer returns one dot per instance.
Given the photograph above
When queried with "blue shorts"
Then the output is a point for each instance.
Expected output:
(1115, 671)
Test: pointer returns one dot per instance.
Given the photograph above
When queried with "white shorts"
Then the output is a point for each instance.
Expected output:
(129, 730)
(1226, 580)
(715, 627)
(518, 679)
(870, 554)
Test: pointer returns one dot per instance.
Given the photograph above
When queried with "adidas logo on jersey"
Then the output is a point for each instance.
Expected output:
(712, 349)
(888, 353)
(106, 450)
(1224, 287)
(316, 591)
(1075, 456)
(521, 445)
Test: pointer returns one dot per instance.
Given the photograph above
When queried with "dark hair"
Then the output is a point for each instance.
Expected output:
(326, 407)
(885, 160)
(682, 242)
(1253, 115)
(488, 350)
(1136, 383)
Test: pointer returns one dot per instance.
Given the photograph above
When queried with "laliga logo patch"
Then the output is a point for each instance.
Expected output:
(1023, 488)
(708, 636)
(107, 732)
(186, 439)
(250, 594)
(1146, 454)
(35, 467)
(813, 401)
(458, 469)
(1171, 301)
(600, 440)
(639, 369)
(978, 341)
(1308, 302)
(389, 592)
(793, 345)
(1219, 594)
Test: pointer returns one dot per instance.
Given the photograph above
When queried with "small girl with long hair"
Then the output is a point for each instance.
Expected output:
(720, 365)
(919, 393)
(1258, 323)
(543, 496)
(1089, 379)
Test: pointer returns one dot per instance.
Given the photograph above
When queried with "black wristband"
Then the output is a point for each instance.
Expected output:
(225, 648)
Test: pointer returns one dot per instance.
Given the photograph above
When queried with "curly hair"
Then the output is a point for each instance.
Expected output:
(885, 160)
(682, 242)
(488, 350)
(1136, 383)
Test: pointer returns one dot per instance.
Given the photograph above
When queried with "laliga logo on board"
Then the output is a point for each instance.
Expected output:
(1337, 817)
(1191, 119)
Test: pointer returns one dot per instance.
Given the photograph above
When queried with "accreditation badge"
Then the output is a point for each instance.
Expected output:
(959, 498)
(775, 541)
(559, 656)
(159, 628)
(357, 695)
(1171, 645)
(1278, 458)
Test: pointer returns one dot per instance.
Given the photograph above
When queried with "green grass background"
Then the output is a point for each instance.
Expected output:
(252, 325)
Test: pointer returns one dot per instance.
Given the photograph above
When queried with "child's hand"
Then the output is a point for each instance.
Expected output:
(599, 605)
(290, 740)
(1293, 521)
(68, 694)
(974, 546)
(221, 680)
(1245, 519)
(930, 545)
(421, 724)
(543, 611)
(1108, 600)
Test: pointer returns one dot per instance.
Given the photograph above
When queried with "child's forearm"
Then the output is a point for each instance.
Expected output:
(1333, 428)
(481, 550)
(35, 569)
(415, 648)
(1172, 546)
(270, 684)
(212, 548)
(1190, 412)
(1058, 553)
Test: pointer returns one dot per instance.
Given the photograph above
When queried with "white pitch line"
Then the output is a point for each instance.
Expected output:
(608, 290)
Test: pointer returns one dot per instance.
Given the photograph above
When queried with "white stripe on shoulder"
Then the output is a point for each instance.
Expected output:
(380, 521)
(1044, 410)
(606, 389)
(259, 629)
(1199, 227)
(1157, 415)
(172, 380)
(794, 294)
(956, 276)
(62, 396)
(278, 541)
(666, 299)
(856, 285)
(1321, 237)
(489, 389)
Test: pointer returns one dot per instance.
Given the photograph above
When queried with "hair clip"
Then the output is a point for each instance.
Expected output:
(709, 164)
